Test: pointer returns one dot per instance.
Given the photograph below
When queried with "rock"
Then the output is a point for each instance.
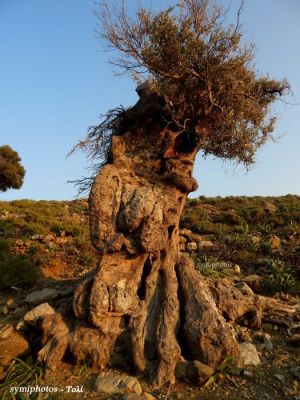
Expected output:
(5, 311)
(249, 354)
(274, 242)
(244, 288)
(279, 377)
(267, 327)
(49, 238)
(294, 340)
(270, 207)
(254, 281)
(21, 326)
(11, 304)
(12, 345)
(205, 243)
(193, 371)
(267, 341)
(182, 239)
(247, 374)
(117, 383)
(186, 232)
(37, 313)
(198, 372)
(149, 396)
(192, 246)
(135, 396)
(37, 237)
(236, 268)
(42, 296)
(256, 240)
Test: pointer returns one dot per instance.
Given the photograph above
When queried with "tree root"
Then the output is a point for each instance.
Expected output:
(168, 310)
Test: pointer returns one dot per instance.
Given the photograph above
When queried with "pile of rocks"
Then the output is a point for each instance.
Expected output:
(190, 241)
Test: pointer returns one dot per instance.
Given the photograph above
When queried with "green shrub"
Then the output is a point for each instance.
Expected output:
(280, 278)
(16, 270)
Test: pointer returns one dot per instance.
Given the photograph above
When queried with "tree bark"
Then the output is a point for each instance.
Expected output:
(145, 305)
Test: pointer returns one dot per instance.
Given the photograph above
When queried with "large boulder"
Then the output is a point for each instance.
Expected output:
(12, 345)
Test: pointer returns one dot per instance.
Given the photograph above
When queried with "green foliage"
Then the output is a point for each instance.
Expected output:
(11, 171)
(211, 267)
(22, 374)
(201, 68)
(279, 279)
(16, 270)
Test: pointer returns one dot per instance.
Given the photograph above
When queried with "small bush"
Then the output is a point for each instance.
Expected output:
(16, 270)
(279, 279)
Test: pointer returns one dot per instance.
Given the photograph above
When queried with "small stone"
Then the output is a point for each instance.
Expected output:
(279, 377)
(182, 239)
(185, 232)
(37, 313)
(270, 207)
(37, 237)
(268, 342)
(5, 311)
(49, 238)
(255, 240)
(244, 288)
(21, 326)
(236, 268)
(247, 374)
(267, 327)
(254, 281)
(148, 396)
(205, 243)
(274, 242)
(42, 296)
(11, 304)
(198, 372)
(117, 383)
(192, 246)
(249, 354)
(12, 345)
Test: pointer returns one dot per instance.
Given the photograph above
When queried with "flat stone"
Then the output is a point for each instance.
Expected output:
(12, 345)
(41, 311)
(279, 377)
(205, 243)
(249, 354)
(42, 296)
(117, 383)
(244, 288)
(254, 281)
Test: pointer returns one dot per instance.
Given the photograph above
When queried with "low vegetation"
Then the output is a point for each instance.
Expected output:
(260, 234)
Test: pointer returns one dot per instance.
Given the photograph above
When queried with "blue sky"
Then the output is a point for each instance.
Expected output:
(55, 82)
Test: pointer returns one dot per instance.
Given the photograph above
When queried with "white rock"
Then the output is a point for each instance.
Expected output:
(117, 383)
(244, 288)
(42, 296)
(38, 312)
(192, 246)
(249, 354)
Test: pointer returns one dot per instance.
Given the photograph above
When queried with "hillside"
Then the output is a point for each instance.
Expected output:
(252, 241)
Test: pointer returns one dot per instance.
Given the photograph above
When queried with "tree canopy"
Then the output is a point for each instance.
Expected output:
(201, 68)
(11, 171)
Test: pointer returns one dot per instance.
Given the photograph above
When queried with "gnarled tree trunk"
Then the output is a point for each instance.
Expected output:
(145, 299)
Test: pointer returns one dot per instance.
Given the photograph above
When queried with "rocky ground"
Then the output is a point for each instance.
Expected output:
(254, 243)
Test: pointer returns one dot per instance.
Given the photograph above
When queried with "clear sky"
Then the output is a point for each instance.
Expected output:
(55, 82)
